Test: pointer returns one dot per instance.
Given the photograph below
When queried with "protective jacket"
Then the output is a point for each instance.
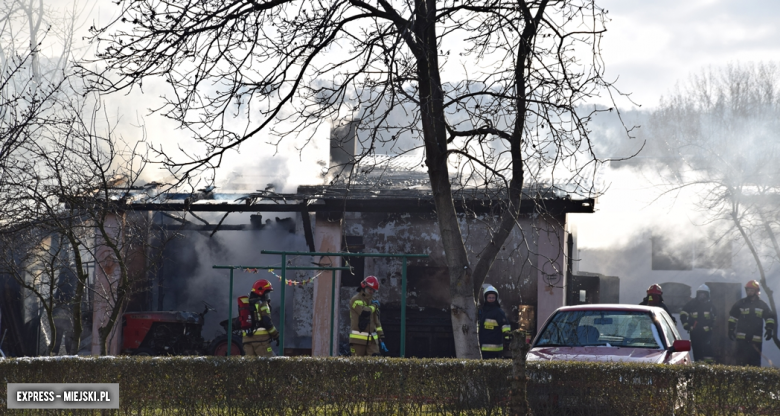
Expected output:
(263, 328)
(698, 316)
(493, 325)
(364, 320)
(657, 301)
(747, 317)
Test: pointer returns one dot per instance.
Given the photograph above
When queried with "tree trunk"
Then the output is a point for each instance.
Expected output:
(53, 339)
(78, 327)
(81, 283)
(122, 287)
(464, 282)
(463, 309)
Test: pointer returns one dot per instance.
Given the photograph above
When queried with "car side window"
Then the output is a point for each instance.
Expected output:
(666, 328)
(673, 327)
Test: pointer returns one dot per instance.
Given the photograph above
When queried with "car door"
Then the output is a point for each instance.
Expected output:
(670, 334)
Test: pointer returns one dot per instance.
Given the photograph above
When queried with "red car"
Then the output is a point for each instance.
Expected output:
(603, 332)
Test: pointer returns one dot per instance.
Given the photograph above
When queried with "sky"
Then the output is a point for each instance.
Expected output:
(650, 46)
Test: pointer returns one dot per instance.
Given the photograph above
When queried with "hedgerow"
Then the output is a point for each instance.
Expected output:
(389, 386)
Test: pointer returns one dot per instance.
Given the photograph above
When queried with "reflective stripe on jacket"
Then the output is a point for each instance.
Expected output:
(360, 303)
(492, 327)
(263, 330)
(698, 315)
(747, 317)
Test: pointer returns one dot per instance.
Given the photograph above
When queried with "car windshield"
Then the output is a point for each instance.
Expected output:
(608, 328)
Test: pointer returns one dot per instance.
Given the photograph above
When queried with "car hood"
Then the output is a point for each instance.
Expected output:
(624, 354)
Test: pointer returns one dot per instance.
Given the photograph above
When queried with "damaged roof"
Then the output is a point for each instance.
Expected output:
(322, 198)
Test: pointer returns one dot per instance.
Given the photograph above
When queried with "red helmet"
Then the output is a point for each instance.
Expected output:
(753, 284)
(655, 290)
(261, 287)
(370, 281)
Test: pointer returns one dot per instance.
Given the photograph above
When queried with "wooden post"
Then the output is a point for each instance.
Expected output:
(327, 238)
(518, 397)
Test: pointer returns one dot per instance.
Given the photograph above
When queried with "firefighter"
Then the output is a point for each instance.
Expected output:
(745, 320)
(655, 298)
(493, 325)
(257, 341)
(366, 334)
(698, 317)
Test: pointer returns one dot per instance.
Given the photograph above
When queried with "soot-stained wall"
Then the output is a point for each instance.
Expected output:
(187, 279)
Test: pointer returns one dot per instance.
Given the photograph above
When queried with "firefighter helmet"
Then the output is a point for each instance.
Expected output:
(370, 281)
(753, 284)
(489, 289)
(655, 289)
(261, 287)
(703, 288)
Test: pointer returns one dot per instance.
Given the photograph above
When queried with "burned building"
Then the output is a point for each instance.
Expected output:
(529, 271)
(384, 206)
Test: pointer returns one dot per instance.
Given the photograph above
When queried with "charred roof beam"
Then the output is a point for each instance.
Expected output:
(397, 205)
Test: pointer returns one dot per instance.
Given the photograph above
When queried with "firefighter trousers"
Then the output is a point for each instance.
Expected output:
(748, 353)
(363, 350)
(254, 347)
(701, 345)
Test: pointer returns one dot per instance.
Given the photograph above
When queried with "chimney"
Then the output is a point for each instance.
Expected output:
(343, 146)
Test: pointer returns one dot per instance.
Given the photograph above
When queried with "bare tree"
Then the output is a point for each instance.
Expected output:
(722, 127)
(70, 182)
(30, 86)
(487, 89)
(61, 177)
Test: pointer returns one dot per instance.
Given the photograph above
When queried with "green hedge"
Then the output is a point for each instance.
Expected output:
(381, 386)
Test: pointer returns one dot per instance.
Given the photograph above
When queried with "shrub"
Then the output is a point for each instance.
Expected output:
(389, 386)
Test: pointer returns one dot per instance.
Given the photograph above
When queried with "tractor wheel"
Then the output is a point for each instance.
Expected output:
(219, 346)
(143, 352)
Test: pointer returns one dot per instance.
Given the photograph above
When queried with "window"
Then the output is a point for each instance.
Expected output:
(701, 253)
(665, 328)
(671, 255)
(670, 330)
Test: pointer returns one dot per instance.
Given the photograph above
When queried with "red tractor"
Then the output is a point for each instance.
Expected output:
(173, 333)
